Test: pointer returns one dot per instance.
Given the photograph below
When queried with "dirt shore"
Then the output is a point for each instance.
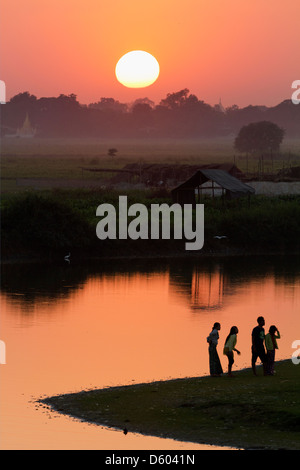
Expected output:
(245, 412)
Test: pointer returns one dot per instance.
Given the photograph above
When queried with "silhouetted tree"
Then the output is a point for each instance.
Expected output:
(179, 114)
(143, 101)
(112, 152)
(263, 136)
(68, 101)
(175, 100)
(25, 97)
(109, 104)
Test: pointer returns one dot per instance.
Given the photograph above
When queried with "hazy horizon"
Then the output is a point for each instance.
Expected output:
(144, 96)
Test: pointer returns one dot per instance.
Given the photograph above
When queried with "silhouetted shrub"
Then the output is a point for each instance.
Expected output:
(39, 221)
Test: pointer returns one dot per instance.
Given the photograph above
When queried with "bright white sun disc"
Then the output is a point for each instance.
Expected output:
(137, 69)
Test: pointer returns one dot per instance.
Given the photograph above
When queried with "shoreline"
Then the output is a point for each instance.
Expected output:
(28, 258)
(182, 409)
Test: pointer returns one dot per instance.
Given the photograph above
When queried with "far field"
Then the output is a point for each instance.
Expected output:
(64, 159)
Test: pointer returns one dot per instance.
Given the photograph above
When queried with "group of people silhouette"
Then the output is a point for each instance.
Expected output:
(263, 347)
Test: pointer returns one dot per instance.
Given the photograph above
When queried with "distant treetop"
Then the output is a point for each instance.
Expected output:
(263, 136)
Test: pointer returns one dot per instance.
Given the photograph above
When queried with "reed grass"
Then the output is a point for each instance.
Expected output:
(59, 219)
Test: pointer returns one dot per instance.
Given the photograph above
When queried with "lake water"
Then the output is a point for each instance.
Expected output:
(83, 326)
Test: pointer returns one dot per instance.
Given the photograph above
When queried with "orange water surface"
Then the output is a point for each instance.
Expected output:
(73, 327)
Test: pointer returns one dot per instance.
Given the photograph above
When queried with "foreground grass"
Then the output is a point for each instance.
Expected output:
(244, 412)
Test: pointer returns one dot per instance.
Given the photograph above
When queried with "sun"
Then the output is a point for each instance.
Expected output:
(137, 69)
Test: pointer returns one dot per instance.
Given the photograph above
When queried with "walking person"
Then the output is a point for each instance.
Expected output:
(215, 367)
(271, 346)
(229, 347)
(258, 348)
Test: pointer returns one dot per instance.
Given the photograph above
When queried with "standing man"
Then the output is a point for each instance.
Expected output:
(258, 348)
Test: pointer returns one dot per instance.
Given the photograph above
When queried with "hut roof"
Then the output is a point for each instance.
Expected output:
(221, 177)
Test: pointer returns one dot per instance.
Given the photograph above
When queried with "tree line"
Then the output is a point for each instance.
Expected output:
(179, 114)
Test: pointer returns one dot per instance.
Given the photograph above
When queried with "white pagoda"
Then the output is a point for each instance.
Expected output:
(26, 130)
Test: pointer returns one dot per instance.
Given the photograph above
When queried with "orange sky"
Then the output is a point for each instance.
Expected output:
(244, 51)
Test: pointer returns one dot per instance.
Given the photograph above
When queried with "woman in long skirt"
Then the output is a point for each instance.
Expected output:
(215, 366)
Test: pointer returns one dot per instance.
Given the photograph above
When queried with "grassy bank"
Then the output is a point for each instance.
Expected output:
(244, 411)
(49, 223)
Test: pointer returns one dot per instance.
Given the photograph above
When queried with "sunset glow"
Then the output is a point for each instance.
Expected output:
(231, 49)
(137, 69)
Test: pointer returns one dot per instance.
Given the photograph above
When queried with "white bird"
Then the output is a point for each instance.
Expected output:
(67, 258)
(219, 237)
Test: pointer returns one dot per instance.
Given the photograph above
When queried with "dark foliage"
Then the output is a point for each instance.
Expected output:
(263, 136)
(180, 114)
